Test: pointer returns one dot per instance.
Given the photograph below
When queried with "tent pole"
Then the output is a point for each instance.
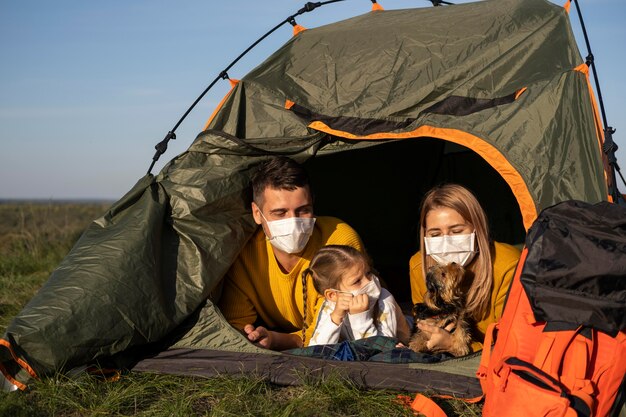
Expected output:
(440, 2)
(161, 147)
(609, 147)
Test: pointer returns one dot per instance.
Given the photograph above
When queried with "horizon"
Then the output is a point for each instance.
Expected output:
(56, 200)
(93, 87)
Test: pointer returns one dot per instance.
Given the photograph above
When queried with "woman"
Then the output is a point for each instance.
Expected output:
(453, 228)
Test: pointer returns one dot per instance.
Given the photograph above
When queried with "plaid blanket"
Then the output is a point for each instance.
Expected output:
(375, 349)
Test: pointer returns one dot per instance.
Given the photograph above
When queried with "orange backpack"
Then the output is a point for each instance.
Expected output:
(560, 346)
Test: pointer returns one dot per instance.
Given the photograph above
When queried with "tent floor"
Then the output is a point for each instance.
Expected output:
(454, 377)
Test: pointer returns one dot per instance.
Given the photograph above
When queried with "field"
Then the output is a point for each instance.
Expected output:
(34, 237)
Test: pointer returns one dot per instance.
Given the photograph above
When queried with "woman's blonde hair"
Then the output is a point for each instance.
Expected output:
(461, 200)
(327, 268)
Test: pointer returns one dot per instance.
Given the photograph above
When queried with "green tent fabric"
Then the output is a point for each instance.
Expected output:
(493, 95)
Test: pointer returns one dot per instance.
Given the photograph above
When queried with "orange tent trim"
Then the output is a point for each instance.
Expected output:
(233, 83)
(488, 152)
(297, 29)
(584, 68)
(567, 5)
(20, 362)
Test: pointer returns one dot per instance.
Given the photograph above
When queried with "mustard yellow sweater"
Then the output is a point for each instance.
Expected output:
(504, 262)
(256, 290)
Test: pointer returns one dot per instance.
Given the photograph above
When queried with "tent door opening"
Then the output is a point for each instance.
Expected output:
(378, 190)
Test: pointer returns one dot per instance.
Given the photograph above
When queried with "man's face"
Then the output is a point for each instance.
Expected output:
(281, 204)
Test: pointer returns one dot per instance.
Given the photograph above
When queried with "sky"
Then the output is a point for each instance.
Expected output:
(87, 88)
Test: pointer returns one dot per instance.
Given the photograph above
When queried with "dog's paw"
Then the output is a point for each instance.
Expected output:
(418, 342)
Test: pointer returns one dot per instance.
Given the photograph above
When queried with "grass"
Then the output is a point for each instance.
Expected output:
(159, 395)
(33, 240)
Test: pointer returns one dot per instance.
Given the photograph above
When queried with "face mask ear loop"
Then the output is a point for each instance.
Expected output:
(267, 224)
(261, 213)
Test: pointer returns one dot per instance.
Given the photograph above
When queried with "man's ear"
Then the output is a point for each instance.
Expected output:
(256, 213)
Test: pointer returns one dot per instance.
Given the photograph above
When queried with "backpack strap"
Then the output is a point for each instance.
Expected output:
(553, 348)
(575, 373)
(551, 357)
(485, 356)
(426, 406)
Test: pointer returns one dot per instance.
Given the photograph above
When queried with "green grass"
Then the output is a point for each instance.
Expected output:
(33, 240)
(157, 395)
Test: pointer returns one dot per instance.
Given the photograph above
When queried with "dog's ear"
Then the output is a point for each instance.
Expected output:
(431, 281)
(429, 274)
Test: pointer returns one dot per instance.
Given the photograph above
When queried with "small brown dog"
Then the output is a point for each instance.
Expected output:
(444, 303)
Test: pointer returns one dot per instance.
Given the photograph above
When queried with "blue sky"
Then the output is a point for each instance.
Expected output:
(87, 88)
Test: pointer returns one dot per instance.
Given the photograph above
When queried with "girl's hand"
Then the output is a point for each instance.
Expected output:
(342, 306)
(359, 304)
(440, 338)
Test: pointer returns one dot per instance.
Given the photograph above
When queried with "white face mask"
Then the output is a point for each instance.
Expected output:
(451, 248)
(291, 234)
(372, 289)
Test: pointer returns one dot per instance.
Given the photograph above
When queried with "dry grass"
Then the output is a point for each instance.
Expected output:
(33, 240)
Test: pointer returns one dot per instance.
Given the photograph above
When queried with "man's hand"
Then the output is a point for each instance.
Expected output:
(440, 339)
(260, 336)
(268, 339)
(359, 304)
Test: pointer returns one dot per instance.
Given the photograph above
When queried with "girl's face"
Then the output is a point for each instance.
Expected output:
(442, 221)
(355, 278)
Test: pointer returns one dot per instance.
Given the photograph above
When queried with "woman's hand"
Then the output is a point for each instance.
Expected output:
(440, 339)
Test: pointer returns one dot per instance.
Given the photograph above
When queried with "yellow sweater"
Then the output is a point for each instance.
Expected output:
(504, 263)
(257, 291)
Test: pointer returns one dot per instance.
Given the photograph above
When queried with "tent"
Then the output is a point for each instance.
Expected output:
(493, 95)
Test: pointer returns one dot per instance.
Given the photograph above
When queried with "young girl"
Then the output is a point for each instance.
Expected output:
(355, 305)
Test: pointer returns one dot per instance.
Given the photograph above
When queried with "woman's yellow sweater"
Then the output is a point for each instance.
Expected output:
(504, 262)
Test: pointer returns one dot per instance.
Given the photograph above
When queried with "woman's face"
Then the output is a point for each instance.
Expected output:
(442, 221)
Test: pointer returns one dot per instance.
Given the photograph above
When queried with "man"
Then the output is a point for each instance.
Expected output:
(263, 293)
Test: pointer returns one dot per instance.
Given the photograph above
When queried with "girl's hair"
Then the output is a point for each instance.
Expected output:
(461, 200)
(327, 269)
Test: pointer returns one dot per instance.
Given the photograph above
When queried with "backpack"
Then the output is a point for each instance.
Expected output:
(560, 346)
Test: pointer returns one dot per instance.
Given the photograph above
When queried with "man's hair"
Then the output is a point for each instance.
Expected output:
(278, 172)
